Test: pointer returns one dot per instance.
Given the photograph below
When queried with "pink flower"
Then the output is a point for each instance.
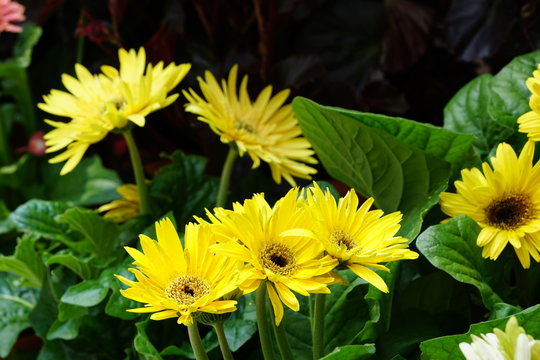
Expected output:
(11, 11)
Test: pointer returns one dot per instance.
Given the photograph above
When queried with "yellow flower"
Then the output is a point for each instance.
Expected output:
(359, 238)
(266, 129)
(504, 200)
(179, 282)
(512, 343)
(529, 122)
(273, 243)
(123, 209)
(98, 104)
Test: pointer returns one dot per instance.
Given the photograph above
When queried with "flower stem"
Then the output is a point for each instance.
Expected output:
(282, 341)
(226, 177)
(196, 343)
(317, 326)
(5, 151)
(137, 171)
(262, 322)
(223, 344)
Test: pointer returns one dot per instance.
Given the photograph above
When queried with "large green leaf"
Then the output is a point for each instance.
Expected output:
(16, 302)
(510, 96)
(352, 352)
(447, 348)
(77, 264)
(452, 248)
(37, 216)
(467, 112)
(183, 188)
(86, 294)
(88, 184)
(101, 234)
(404, 165)
(22, 51)
(142, 343)
(26, 262)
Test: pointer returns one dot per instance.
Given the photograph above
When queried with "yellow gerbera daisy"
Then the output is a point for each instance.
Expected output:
(98, 104)
(359, 238)
(266, 129)
(504, 201)
(512, 343)
(529, 122)
(179, 282)
(123, 209)
(273, 244)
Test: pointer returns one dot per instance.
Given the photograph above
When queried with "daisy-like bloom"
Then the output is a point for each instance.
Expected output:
(123, 209)
(512, 343)
(359, 238)
(504, 200)
(10, 12)
(98, 104)
(266, 129)
(529, 122)
(180, 282)
(273, 244)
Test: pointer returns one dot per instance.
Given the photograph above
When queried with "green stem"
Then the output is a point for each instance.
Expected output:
(317, 326)
(80, 50)
(281, 337)
(5, 151)
(262, 322)
(223, 344)
(226, 177)
(196, 343)
(26, 101)
(137, 171)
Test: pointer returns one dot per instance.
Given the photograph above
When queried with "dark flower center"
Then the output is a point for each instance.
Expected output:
(278, 258)
(509, 212)
(340, 237)
(246, 126)
(186, 289)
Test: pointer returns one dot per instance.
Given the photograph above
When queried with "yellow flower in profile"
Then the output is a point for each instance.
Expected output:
(98, 104)
(180, 282)
(359, 238)
(266, 129)
(512, 343)
(529, 122)
(504, 200)
(123, 209)
(274, 245)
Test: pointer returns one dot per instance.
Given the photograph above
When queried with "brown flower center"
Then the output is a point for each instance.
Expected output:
(186, 289)
(340, 237)
(278, 258)
(509, 212)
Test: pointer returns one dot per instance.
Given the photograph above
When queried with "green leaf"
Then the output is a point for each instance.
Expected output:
(510, 96)
(87, 293)
(66, 330)
(142, 343)
(404, 165)
(100, 233)
(26, 262)
(467, 112)
(352, 352)
(37, 216)
(67, 311)
(452, 248)
(78, 265)
(15, 307)
(88, 184)
(447, 348)
(27, 39)
(183, 188)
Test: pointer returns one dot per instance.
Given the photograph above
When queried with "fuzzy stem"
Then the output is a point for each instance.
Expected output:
(196, 343)
(226, 177)
(317, 326)
(262, 322)
(138, 171)
(281, 337)
(223, 344)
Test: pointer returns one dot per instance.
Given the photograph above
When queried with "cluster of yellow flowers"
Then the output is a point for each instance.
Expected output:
(504, 198)
(294, 245)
